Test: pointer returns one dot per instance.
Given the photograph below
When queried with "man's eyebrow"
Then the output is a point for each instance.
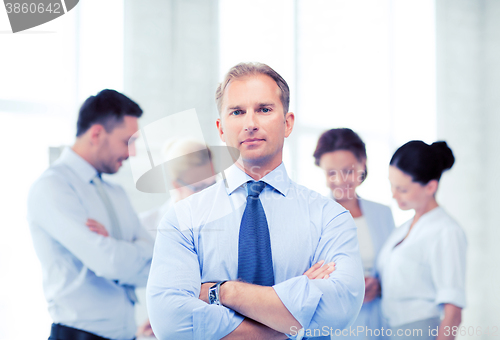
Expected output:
(237, 107)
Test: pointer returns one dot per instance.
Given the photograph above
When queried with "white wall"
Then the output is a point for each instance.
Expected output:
(171, 58)
(468, 83)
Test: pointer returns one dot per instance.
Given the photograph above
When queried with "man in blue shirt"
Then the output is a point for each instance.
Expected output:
(89, 273)
(199, 286)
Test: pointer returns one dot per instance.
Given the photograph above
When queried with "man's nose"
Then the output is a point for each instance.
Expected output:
(250, 121)
(131, 149)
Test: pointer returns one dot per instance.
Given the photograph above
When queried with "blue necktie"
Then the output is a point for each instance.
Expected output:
(255, 262)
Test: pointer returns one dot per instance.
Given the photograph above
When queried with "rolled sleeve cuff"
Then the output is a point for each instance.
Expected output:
(452, 296)
(300, 297)
(214, 322)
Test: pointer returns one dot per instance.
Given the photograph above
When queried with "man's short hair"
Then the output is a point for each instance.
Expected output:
(107, 108)
(245, 69)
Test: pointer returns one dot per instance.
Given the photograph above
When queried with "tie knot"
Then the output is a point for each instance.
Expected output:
(255, 188)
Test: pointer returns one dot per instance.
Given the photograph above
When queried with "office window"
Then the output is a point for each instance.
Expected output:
(46, 72)
(367, 65)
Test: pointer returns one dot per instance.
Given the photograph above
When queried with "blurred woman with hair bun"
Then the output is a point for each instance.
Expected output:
(422, 264)
(342, 155)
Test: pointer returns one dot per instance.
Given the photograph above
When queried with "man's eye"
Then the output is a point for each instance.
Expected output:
(236, 112)
(265, 110)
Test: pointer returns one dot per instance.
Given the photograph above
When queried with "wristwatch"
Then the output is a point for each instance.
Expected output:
(213, 293)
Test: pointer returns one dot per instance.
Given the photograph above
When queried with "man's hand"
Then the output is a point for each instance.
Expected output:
(372, 289)
(145, 330)
(318, 271)
(97, 227)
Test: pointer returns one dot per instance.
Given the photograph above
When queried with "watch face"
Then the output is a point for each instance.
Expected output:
(212, 296)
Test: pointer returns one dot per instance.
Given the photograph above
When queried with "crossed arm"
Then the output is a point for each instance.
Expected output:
(174, 289)
(56, 209)
(145, 328)
(266, 315)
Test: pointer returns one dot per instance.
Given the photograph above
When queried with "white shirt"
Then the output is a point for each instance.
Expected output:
(365, 244)
(83, 272)
(425, 271)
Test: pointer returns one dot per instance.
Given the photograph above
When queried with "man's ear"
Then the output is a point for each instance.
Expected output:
(289, 121)
(220, 129)
(96, 133)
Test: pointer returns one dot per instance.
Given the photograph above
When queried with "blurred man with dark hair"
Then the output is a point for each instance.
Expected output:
(90, 270)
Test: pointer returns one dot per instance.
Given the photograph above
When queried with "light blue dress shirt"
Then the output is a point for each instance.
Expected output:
(83, 272)
(425, 271)
(197, 242)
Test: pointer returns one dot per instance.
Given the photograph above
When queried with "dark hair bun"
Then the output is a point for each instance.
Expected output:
(444, 153)
(423, 162)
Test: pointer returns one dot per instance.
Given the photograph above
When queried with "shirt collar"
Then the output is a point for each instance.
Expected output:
(80, 166)
(278, 179)
(430, 214)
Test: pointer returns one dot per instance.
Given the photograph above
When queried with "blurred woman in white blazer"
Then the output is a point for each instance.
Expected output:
(190, 161)
(422, 264)
(342, 155)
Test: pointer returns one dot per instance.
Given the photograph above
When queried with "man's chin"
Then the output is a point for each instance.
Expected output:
(108, 170)
(252, 159)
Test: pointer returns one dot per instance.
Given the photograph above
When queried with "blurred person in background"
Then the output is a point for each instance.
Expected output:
(90, 243)
(422, 264)
(190, 170)
(342, 155)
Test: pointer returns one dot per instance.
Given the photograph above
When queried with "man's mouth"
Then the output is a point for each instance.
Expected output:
(252, 140)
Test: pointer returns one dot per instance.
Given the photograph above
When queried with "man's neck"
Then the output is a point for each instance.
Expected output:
(80, 150)
(255, 170)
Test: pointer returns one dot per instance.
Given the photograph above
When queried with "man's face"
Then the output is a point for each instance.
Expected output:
(113, 147)
(252, 120)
